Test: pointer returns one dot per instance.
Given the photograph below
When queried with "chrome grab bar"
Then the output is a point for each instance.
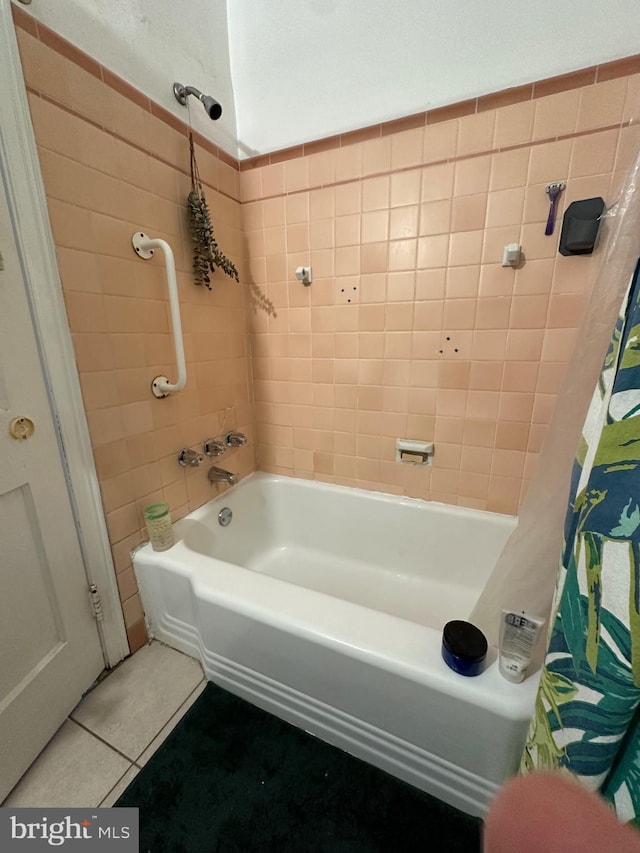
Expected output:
(144, 247)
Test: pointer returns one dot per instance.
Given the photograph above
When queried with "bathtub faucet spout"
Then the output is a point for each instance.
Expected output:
(219, 475)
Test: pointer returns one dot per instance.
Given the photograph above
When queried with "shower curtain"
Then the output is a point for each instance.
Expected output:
(587, 716)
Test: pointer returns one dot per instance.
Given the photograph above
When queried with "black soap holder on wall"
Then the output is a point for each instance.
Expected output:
(580, 226)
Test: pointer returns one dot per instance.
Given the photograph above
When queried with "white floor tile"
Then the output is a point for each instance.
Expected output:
(75, 769)
(130, 707)
(173, 722)
(120, 788)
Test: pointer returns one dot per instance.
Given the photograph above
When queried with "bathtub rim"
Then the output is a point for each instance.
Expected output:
(369, 494)
(376, 638)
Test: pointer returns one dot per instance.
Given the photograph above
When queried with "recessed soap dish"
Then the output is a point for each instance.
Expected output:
(414, 451)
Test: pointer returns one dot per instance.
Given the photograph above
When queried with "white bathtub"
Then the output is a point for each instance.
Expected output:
(325, 605)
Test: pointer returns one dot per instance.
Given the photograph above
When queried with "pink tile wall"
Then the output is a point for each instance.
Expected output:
(111, 167)
(412, 328)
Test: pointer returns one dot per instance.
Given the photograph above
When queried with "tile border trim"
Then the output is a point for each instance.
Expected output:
(37, 94)
(456, 159)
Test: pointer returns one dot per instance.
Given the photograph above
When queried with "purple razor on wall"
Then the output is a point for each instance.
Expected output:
(553, 191)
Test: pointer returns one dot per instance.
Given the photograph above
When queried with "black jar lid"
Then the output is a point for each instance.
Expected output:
(464, 640)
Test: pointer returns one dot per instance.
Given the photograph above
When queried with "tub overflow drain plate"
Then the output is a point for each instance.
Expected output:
(224, 516)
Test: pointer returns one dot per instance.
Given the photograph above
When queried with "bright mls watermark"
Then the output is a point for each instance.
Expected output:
(103, 830)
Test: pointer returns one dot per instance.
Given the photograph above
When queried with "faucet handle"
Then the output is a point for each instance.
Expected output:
(215, 446)
(235, 439)
(188, 457)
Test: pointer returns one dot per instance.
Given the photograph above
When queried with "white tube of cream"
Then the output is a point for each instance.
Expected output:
(519, 634)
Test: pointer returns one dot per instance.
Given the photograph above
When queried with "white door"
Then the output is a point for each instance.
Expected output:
(50, 650)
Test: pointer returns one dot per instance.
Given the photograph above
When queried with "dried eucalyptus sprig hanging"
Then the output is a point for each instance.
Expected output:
(207, 256)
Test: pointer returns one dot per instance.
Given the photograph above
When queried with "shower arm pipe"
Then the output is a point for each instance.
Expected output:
(144, 247)
(181, 92)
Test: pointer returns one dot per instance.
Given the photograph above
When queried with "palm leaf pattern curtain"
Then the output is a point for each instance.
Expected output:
(586, 716)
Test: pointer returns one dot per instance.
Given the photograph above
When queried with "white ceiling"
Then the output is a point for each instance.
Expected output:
(304, 69)
(290, 71)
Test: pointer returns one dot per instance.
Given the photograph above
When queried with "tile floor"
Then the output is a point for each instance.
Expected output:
(113, 732)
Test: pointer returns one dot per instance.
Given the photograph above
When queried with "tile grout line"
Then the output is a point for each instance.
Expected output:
(488, 152)
(133, 761)
(37, 93)
(101, 739)
(333, 184)
(112, 789)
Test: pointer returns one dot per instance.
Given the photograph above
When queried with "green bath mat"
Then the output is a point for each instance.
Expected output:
(232, 778)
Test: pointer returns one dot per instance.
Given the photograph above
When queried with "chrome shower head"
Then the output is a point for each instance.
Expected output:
(212, 107)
